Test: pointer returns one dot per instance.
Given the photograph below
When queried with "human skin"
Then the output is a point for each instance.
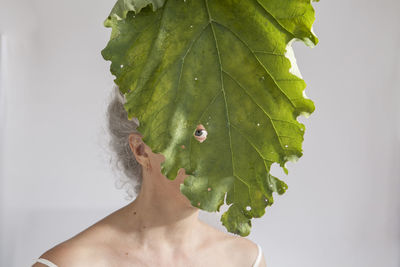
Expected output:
(159, 228)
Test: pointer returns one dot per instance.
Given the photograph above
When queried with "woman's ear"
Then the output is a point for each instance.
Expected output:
(138, 148)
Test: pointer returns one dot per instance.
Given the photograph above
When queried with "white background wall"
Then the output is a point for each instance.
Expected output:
(342, 207)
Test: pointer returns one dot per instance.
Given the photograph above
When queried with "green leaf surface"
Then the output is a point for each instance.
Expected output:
(225, 64)
(122, 7)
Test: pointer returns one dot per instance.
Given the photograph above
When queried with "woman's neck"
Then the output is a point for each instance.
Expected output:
(161, 216)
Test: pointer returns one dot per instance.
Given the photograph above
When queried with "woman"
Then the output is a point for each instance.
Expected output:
(159, 228)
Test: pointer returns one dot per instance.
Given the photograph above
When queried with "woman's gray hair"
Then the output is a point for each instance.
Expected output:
(119, 128)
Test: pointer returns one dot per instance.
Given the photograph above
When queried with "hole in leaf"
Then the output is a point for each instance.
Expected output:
(200, 134)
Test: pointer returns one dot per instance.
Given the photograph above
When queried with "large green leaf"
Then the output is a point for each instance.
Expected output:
(225, 64)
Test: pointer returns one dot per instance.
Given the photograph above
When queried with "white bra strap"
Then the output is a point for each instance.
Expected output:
(259, 256)
(47, 262)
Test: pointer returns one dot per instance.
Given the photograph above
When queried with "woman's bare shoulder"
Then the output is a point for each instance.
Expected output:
(69, 253)
(248, 251)
(83, 249)
(245, 250)
(241, 250)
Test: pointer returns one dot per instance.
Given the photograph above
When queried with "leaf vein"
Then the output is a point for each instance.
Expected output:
(202, 114)
(222, 85)
(255, 102)
(184, 56)
(262, 65)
